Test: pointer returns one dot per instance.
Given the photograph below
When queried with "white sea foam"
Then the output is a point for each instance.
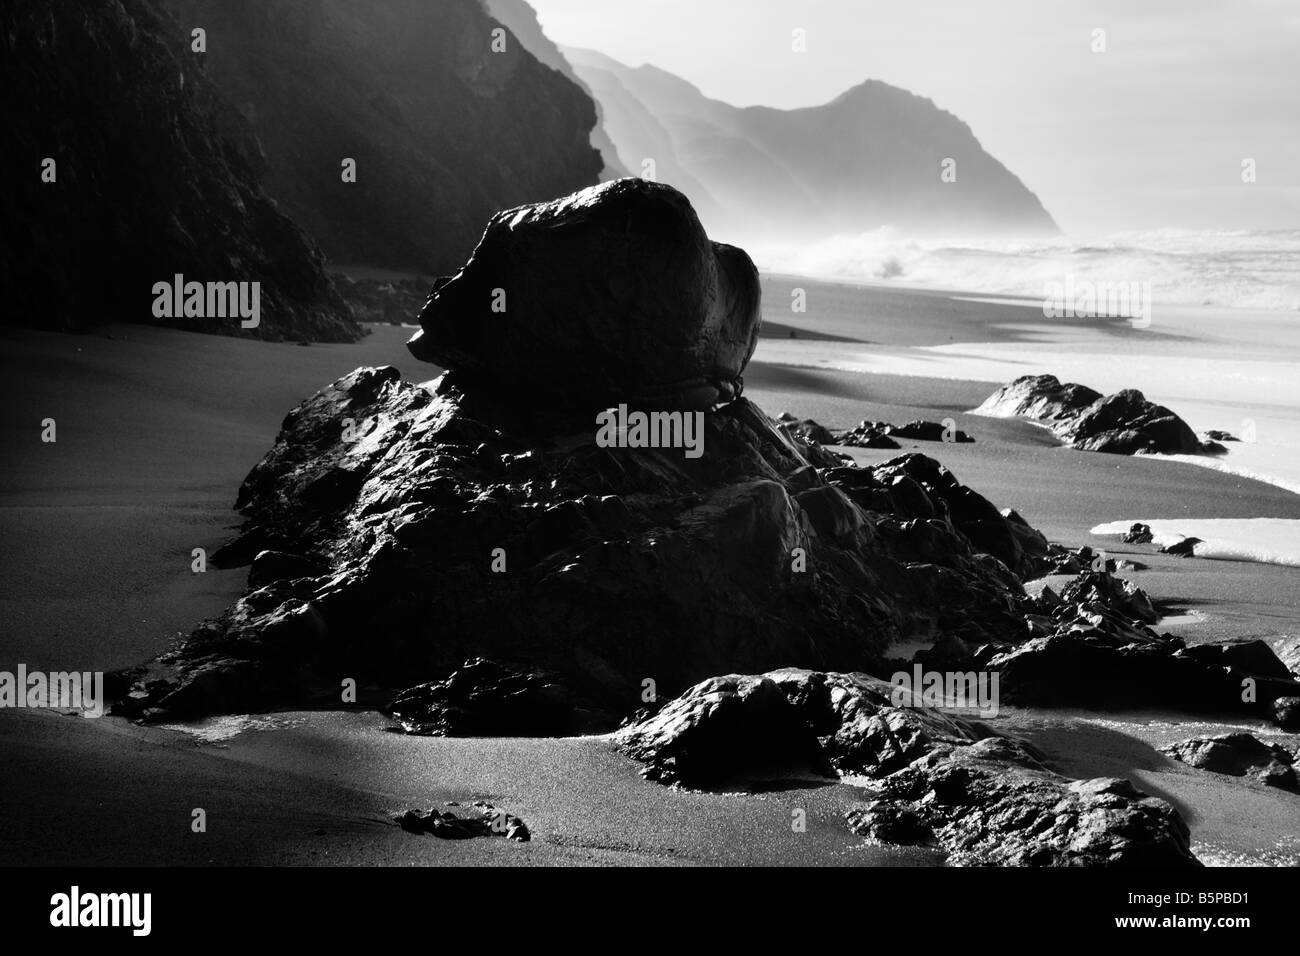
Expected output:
(1235, 269)
(1266, 540)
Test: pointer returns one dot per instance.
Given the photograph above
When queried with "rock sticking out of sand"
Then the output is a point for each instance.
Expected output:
(1239, 755)
(447, 825)
(938, 780)
(1124, 423)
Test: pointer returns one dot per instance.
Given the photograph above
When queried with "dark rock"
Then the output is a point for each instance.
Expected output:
(938, 780)
(883, 435)
(461, 520)
(1239, 755)
(487, 699)
(611, 295)
(867, 435)
(157, 175)
(271, 566)
(1092, 647)
(1124, 423)
(928, 431)
(1138, 533)
(992, 804)
(621, 564)
(806, 430)
(1286, 713)
(1185, 548)
(1215, 434)
(447, 825)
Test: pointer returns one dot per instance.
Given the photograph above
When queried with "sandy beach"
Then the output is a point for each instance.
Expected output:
(99, 528)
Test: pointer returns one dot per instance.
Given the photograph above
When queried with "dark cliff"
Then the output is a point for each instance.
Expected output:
(444, 131)
(154, 175)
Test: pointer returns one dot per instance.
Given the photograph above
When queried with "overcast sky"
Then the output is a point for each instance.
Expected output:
(1149, 134)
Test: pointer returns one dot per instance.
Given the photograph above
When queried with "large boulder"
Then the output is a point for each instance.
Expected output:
(613, 294)
(1123, 424)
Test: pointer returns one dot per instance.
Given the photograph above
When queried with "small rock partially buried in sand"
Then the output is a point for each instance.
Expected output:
(447, 825)
(1239, 755)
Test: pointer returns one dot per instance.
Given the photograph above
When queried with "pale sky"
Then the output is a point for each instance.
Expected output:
(1149, 134)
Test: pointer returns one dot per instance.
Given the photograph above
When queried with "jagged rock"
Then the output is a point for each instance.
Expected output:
(1092, 646)
(1138, 533)
(271, 566)
(1239, 755)
(486, 699)
(618, 563)
(870, 434)
(993, 804)
(1124, 423)
(866, 435)
(447, 825)
(611, 295)
(1185, 548)
(938, 779)
(1215, 434)
(157, 174)
(806, 430)
(1066, 561)
(468, 517)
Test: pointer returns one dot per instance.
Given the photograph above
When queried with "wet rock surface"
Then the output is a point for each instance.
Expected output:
(485, 698)
(1239, 755)
(445, 538)
(1093, 645)
(1124, 423)
(870, 434)
(935, 779)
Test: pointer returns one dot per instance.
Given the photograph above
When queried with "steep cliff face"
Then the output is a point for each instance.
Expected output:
(447, 122)
(871, 157)
(153, 175)
(521, 19)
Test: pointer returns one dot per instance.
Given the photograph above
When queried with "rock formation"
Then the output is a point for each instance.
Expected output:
(1122, 424)
(936, 780)
(653, 313)
(155, 175)
(396, 531)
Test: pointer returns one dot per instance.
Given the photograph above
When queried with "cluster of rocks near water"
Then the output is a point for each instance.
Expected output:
(1124, 423)
(469, 536)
